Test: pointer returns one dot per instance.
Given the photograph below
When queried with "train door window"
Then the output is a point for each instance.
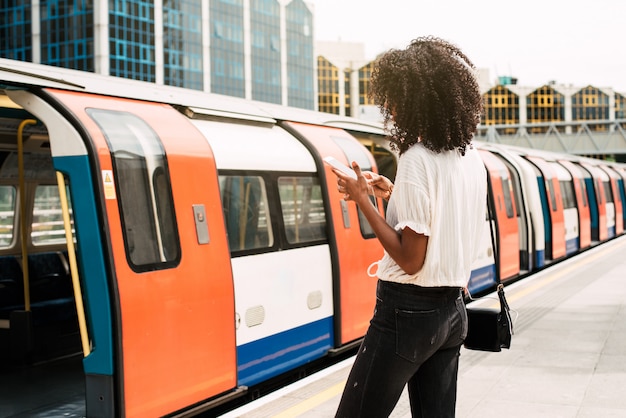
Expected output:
(244, 201)
(144, 190)
(366, 228)
(567, 193)
(47, 226)
(7, 215)
(507, 188)
(551, 193)
(608, 191)
(302, 208)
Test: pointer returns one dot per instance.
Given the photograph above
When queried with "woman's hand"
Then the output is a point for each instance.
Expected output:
(377, 185)
(353, 189)
(380, 185)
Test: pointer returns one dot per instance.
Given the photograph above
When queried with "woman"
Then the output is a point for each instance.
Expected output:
(431, 104)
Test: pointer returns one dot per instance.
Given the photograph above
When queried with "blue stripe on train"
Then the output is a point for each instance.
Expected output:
(268, 357)
(540, 258)
(572, 245)
(482, 279)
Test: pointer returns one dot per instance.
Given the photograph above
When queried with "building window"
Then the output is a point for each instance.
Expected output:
(226, 22)
(266, 61)
(182, 43)
(591, 104)
(500, 107)
(131, 39)
(15, 30)
(300, 64)
(327, 86)
(545, 105)
(67, 38)
(620, 108)
(365, 75)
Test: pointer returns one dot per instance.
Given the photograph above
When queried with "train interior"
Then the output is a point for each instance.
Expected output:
(40, 346)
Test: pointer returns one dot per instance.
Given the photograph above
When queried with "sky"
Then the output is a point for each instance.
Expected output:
(579, 42)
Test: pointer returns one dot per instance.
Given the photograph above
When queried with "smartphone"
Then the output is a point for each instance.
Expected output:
(335, 163)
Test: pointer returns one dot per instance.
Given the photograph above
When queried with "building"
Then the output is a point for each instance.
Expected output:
(507, 103)
(343, 80)
(343, 76)
(254, 49)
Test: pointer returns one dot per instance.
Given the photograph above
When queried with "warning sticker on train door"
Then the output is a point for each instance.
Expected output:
(107, 181)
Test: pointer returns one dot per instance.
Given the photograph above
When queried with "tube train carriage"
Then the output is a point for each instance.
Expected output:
(210, 249)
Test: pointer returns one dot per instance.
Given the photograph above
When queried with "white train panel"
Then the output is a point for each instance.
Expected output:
(278, 291)
(255, 147)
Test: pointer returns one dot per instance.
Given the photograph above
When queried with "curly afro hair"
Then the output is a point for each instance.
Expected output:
(427, 93)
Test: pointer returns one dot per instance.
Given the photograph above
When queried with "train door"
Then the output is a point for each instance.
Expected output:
(622, 191)
(168, 278)
(552, 208)
(597, 210)
(614, 187)
(39, 315)
(606, 214)
(355, 291)
(570, 208)
(506, 225)
(581, 201)
(523, 216)
(273, 204)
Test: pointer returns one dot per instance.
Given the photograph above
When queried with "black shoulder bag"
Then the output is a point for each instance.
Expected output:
(489, 329)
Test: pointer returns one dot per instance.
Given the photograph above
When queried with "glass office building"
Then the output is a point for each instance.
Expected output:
(254, 49)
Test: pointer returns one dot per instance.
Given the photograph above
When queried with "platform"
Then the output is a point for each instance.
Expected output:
(567, 359)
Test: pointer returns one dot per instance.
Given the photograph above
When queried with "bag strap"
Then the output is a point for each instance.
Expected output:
(504, 306)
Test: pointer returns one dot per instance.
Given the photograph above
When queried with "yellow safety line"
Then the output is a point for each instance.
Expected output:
(78, 296)
(312, 402)
(23, 226)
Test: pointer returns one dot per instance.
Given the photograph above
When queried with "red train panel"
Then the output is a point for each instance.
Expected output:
(556, 207)
(506, 217)
(176, 347)
(356, 290)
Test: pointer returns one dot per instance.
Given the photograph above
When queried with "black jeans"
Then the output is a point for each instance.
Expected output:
(414, 337)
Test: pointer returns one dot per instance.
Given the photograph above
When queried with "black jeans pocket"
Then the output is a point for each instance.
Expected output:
(417, 334)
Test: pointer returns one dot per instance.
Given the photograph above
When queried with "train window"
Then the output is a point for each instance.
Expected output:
(47, 227)
(551, 194)
(303, 209)
(366, 228)
(144, 190)
(507, 188)
(608, 191)
(7, 215)
(567, 194)
(244, 201)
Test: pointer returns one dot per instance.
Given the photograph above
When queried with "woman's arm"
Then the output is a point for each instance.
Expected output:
(408, 248)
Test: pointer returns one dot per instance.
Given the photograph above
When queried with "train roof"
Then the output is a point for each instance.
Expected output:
(195, 104)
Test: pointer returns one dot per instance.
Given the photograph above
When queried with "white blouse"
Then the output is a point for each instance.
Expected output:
(442, 195)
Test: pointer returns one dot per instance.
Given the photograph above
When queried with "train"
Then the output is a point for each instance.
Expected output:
(164, 251)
